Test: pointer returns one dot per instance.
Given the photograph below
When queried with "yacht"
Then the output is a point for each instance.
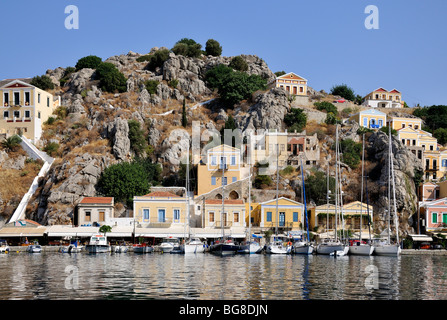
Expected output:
(168, 244)
(194, 245)
(98, 244)
(4, 247)
(34, 248)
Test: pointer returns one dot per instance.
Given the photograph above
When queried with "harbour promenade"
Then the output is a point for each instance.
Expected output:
(433, 252)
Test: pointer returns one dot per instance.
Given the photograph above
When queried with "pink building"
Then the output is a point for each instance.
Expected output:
(435, 213)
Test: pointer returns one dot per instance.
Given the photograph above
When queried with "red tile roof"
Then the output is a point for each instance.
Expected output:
(227, 201)
(162, 194)
(107, 200)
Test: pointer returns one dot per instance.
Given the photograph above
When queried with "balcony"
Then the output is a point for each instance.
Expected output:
(218, 224)
(157, 223)
(16, 103)
(24, 119)
(432, 169)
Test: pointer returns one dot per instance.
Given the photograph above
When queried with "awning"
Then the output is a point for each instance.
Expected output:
(421, 237)
(22, 232)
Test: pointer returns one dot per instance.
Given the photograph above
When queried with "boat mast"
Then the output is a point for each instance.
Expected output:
(249, 186)
(187, 194)
(389, 185)
(277, 182)
(304, 200)
(396, 224)
(361, 192)
(222, 164)
(336, 182)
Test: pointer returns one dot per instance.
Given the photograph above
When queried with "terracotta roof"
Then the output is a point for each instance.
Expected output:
(97, 200)
(227, 201)
(394, 90)
(163, 194)
(381, 90)
(296, 141)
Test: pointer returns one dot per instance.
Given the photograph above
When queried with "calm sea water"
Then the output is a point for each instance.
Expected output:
(207, 277)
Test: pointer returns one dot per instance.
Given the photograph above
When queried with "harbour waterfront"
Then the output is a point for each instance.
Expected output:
(82, 276)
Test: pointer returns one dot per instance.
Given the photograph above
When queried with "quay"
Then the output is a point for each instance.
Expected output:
(428, 252)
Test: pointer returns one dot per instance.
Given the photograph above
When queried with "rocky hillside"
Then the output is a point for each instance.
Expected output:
(92, 129)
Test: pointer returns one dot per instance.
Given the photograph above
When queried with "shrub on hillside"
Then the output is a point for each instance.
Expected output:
(110, 78)
(43, 82)
(136, 136)
(88, 62)
(296, 119)
(12, 143)
(262, 181)
(213, 48)
(151, 86)
(238, 63)
(157, 59)
(188, 48)
(343, 91)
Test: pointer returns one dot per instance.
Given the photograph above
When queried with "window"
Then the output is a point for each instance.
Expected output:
(48, 101)
(88, 216)
(38, 98)
(16, 114)
(5, 98)
(213, 161)
(295, 217)
(213, 181)
(233, 160)
(434, 217)
(380, 123)
(145, 214)
(161, 215)
(211, 216)
(233, 179)
(431, 147)
(176, 215)
(444, 217)
(102, 216)
(416, 126)
(16, 98)
(224, 181)
(301, 89)
(27, 114)
(269, 216)
(236, 217)
(444, 162)
(27, 98)
(365, 122)
(38, 114)
(5, 114)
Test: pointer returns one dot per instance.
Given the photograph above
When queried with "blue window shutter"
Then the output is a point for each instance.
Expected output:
(234, 179)
(213, 181)
(295, 217)
(269, 216)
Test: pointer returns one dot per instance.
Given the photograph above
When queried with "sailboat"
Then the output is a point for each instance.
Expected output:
(334, 246)
(249, 246)
(223, 247)
(303, 246)
(386, 248)
(360, 248)
(278, 246)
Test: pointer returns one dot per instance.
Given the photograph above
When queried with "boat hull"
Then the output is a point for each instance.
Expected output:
(273, 249)
(250, 248)
(362, 250)
(98, 248)
(34, 249)
(165, 248)
(120, 249)
(222, 249)
(143, 249)
(387, 250)
(303, 249)
(329, 249)
(194, 248)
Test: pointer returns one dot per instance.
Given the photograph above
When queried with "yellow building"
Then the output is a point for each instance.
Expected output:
(292, 83)
(410, 138)
(287, 216)
(443, 163)
(24, 108)
(370, 118)
(403, 122)
(323, 216)
(233, 214)
(160, 209)
(381, 98)
(222, 166)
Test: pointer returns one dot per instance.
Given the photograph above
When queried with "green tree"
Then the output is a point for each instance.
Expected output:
(188, 48)
(343, 91)
(216, 76)
(213, 48)
(43, 82)
(351, 152)
(12, 143)
(151, 86)
(136, 136)
(105, 228)
(316, 187)
(280, 73)
(296, 119)
(238, 63)
(88, 62)
(110, 78)
(262, 181)
(124, 180)
(157, 59)
(326, 106)
(441, 135)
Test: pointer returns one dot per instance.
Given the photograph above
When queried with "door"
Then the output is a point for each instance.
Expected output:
(161, 215)
(444, 218)
(16, 98)
(282, 219)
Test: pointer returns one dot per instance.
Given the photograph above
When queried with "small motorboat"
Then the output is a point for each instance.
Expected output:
(98, 244)
(34, 248)
(4, 247)
(168, 244)
(224, 248)
(194, 245)
(142, 248)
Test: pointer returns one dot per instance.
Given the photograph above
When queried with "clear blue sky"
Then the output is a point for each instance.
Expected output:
(324, 41)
